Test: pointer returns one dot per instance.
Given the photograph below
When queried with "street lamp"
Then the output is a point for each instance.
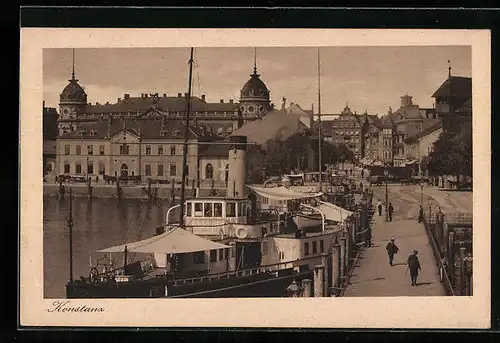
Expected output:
(468, 260)
(422, 193)
(386, 173)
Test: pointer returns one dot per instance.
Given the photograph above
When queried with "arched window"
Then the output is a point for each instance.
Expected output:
(209, 172)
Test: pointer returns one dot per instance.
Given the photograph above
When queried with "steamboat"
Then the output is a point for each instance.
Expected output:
(220, 246)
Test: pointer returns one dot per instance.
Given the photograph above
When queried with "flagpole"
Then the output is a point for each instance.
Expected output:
(320, 163)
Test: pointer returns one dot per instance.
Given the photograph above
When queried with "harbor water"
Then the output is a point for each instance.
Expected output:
(98, 223)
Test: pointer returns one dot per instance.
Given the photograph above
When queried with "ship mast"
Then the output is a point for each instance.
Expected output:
(185, 148)
(70, 227)
(320, 163)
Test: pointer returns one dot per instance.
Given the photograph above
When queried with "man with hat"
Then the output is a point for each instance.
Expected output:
(413, 264)
(391, 250)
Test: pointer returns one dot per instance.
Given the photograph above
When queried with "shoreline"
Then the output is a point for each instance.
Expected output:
(127, 191)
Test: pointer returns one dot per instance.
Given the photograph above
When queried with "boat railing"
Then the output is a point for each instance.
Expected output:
(242, 273)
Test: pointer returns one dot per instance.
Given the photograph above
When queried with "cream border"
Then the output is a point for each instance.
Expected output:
(393, 312)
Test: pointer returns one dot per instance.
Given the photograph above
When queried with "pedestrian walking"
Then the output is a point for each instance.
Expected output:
(420, 214)
(379, 207)
(413, 264)
(97, 179)
(390, 209)
(362, 173)
(392, 249)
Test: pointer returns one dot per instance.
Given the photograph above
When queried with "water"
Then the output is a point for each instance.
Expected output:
(98, 223)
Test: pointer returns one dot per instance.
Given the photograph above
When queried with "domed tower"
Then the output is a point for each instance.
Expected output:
(254, 97)
(72, 103)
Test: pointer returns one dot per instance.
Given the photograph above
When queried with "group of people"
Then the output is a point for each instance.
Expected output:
(412, 263)
(389, 209)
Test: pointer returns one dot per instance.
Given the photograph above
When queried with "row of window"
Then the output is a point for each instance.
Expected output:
(215, 255)
(124, 149)
(314, 248)
(101, 169)
(346, 133)
(215, 209)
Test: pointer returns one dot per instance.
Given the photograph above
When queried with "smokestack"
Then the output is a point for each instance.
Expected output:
(119, 99)
(126, 96)
(237, 167)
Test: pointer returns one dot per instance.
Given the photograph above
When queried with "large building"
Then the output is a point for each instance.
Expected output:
(219, 118)
(144, 136)
(349, 128)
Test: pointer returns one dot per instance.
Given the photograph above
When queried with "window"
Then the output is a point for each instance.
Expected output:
(198, 209)
(90, 150)
(101, 149)
(148, 169)
(218, 209)
(102, 169)
(315, 247)
(66, 149)
(209, 172)
(66, 168)
(231, 209)
(78, 168)
(226, 253)
(189, 209)
(306, 249)
(160, 150)
(321, 246)
(213, 255)
(159, 170)
(199, 257)
(78, 150)
(221, 254)
(265, 246)
(173, 169)
(265, 200)
(124, 149)
(242, 209)
(90, 168)
(207, 210)
(148, 149)
(172, 150)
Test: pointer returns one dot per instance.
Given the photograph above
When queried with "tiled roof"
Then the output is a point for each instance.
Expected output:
(275, 124)
(431, 127)
(460, 87)
(173, 104)
(216, 150)
(149, 129)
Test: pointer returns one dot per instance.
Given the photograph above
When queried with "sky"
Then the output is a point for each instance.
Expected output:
(367, 78)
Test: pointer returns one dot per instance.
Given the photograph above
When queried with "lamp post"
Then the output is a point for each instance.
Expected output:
(468, 271)
(386, 173)
(422, 194)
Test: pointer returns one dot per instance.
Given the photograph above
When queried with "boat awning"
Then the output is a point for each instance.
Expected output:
(282, 193)
(333, 212)
(411, 162)
(174, 241)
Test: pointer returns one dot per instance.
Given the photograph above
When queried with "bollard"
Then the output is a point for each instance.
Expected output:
(335, 267)
(306, 288)
(451, 256)
(342, 257)
(319, 271)
(462, 271)
(347, 250)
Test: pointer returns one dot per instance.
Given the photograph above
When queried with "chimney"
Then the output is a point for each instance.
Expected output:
(145, 95)
(186, 95)
(221, 101)
(164, 95)
(203, 97)
(179, 95)
(119, 99)
(43, 104)
(231, 101)
(406, 100)
(126, 96)
(110, 121)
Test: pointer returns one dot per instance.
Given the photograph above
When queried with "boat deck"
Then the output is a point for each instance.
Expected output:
(329, 229)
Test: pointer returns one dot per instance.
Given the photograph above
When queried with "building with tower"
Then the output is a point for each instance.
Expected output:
(254, 97)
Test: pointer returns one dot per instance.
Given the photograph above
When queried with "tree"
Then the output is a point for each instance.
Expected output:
(452, 155)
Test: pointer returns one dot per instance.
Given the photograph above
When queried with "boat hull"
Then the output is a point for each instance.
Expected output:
(306, 221)
(272, 284)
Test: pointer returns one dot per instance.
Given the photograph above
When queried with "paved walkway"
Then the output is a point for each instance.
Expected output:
(373, 276)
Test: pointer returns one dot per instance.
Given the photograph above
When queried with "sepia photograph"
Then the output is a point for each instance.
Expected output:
(256, 172)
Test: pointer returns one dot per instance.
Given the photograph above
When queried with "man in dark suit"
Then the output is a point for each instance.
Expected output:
(413, 264)
(392, 249)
